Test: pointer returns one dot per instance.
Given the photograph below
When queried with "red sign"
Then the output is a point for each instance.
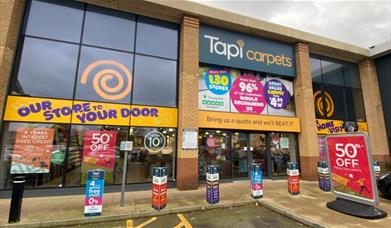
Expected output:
(99, 152)
(351, 168)
(32, 150)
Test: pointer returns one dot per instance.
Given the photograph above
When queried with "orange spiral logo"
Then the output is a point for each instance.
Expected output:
(106, 74)
(319, 103)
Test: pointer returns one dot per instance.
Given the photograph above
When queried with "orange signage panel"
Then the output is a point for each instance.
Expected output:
(225, 120)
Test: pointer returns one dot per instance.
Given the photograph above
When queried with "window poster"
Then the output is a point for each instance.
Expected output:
(230, 90)
(32, 150)
(99, 153)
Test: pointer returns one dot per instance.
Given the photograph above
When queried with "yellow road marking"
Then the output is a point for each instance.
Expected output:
(129, 223)
(183, 223)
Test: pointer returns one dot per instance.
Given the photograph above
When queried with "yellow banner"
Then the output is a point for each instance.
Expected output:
(339, 126)
(162, 117)
(225, 120)
(29, 109)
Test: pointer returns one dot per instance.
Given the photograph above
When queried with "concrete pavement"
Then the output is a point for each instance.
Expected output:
(309, 207)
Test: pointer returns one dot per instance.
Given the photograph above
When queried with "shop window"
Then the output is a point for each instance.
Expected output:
(352, 76)
(283, 149)
(104, 75)
(108, 28)
(43, 158)
(332, 72)
(214, 150)
(316, 69)
(335, 106)
(157, 38)
(355, 104)
(338, 95)
(46, 69)
(61, 20)
(155, 81)
(95, 147)
(152, 147)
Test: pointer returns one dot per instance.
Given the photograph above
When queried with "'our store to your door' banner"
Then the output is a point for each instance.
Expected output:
(230, 90)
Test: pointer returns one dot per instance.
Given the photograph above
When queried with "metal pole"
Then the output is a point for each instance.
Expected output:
(16, 200)
(124, 178)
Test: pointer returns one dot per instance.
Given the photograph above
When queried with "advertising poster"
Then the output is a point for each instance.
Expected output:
(94, 192)
(247, 95)
(278, 95)
(351, 167)
(99, 153)
(214, 84)
(212, 102)
(32, 150)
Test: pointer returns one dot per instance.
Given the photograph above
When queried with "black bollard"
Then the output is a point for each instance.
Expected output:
(16, 200)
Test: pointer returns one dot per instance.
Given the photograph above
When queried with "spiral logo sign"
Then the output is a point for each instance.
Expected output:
(104, 71)
(319, 103)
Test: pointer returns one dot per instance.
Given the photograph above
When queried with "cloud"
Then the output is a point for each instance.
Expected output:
(363, 23)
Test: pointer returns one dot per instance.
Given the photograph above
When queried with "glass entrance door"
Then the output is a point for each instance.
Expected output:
(247, 148)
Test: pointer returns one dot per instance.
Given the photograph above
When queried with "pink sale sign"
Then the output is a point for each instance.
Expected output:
(247, 95)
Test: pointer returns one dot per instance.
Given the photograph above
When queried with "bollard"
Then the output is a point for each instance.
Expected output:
(256, 180)
(212, 184)
(376, 169)
(16, 200)
(324, 176)
(159, 188)
(293, 178)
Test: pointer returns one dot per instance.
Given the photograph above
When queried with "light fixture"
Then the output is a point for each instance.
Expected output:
(218, 132)
(236, 133)
(206, 133)
(211, 136)
(164, 132)
(170, 130)
(224, 134)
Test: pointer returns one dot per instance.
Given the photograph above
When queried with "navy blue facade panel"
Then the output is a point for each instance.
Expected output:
(237, 50)
(383, 68)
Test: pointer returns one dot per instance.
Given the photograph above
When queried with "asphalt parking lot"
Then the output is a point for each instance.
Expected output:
(244, 216)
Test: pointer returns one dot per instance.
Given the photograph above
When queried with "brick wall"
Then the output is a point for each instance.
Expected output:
(10, 20)
(308, 138)
(187, 160)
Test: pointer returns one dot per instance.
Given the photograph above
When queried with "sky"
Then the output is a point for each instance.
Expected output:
(362, 23)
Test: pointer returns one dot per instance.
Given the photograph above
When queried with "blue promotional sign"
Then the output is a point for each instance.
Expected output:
(256, 180)
(94, 192)
(232, 49)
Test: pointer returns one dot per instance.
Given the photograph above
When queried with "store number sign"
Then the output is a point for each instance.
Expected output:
(154, 141)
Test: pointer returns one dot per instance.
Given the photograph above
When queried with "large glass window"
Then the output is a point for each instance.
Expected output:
(152, 147)
(46, 69)
(95, 147)
(283, 149)
(154, 81)
(104, 75)
(38, 149)
(214, 150)
(108, 28)
(337, 89)
(60, 20)
(157, 38)
(56, 46)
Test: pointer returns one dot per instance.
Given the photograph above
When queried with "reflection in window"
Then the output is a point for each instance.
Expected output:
(283, 149)
(82, 156)
(157, 38)
(155, 81)
(104, 75)
(316, 70)
(108, 28)
(142, 159)
(352, 76)
(214, 150)
(355, 104)
(47, 69)
(57, 21)
(55, 175)
(332, 72)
